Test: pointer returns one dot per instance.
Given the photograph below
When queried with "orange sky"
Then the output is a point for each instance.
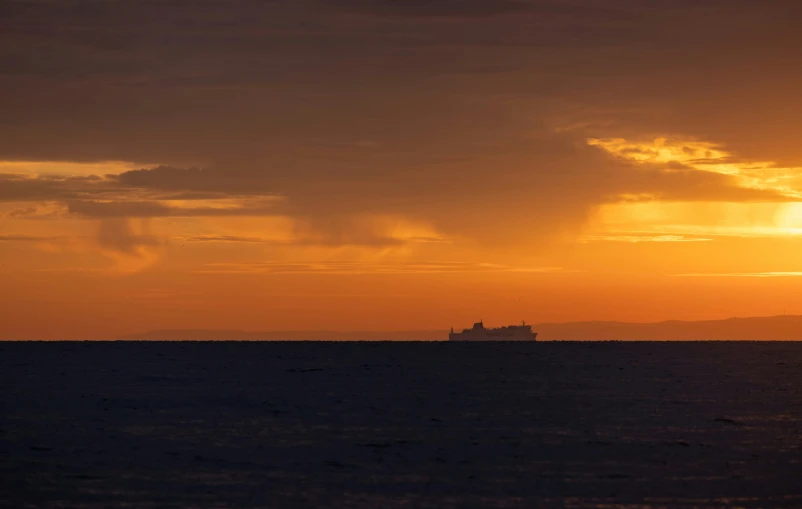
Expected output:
(373, 165)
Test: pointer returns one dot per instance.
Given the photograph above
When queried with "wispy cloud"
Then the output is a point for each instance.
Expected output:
(642, 238)
(221, 238)
(29, 238)
(147, 192)
(744, 274)
(358, 267)
(130, 244)
(61, 169)
(244, 206)
(684, 221)
(676, 154)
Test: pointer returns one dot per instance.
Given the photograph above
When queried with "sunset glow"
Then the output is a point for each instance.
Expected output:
(392, 169)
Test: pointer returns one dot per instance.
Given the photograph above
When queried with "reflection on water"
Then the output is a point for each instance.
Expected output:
(400, 425)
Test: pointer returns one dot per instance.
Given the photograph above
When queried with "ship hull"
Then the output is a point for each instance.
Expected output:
(463, 336)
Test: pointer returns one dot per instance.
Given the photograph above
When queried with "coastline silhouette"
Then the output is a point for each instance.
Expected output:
(781, 327)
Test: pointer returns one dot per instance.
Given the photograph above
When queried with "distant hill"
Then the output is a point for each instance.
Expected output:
(755, 328)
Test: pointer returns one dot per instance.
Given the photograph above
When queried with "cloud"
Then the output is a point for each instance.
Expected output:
(117, 209)
(373, 232)
(744, 274)
(38, 187)
(47, 211)
(161, 192)
(643, 238)
(102, 209)
(687, 185)
(687, 169)
(230, 101)
(118, 235)
(421, 212)
(88, 170)
(690, 220)
(29, 238)
(129, 243)
(364, 267)
(432, 8)
(364, 230)
(190, 179)
(25, 188)
(222, 238)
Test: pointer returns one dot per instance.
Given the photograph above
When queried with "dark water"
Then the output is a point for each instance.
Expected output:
(418, 425)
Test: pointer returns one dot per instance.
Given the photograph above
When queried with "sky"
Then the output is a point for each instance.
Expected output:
(389, 165)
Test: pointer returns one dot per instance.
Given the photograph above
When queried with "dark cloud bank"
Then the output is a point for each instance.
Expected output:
(445, 110)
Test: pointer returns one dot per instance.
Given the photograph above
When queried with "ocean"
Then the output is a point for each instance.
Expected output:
(400, 424)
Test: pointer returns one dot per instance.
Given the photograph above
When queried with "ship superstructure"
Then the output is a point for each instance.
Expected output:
(478, 332)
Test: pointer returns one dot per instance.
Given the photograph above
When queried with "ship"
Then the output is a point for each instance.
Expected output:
(478, 332)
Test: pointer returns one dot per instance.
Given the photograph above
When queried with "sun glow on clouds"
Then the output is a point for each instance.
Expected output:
(370, 231)
(68, 168)
(137, 221)
(705, 156)
(96, 212)
(644, 217)
(131, 245)
(643, 238)
(367, 267)
(675, 221)
(661, 150)
(745, 274)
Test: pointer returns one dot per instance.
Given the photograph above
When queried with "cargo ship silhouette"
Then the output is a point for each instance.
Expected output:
(521, 332)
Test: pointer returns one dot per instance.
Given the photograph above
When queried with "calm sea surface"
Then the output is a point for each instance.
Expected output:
(384, 425)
